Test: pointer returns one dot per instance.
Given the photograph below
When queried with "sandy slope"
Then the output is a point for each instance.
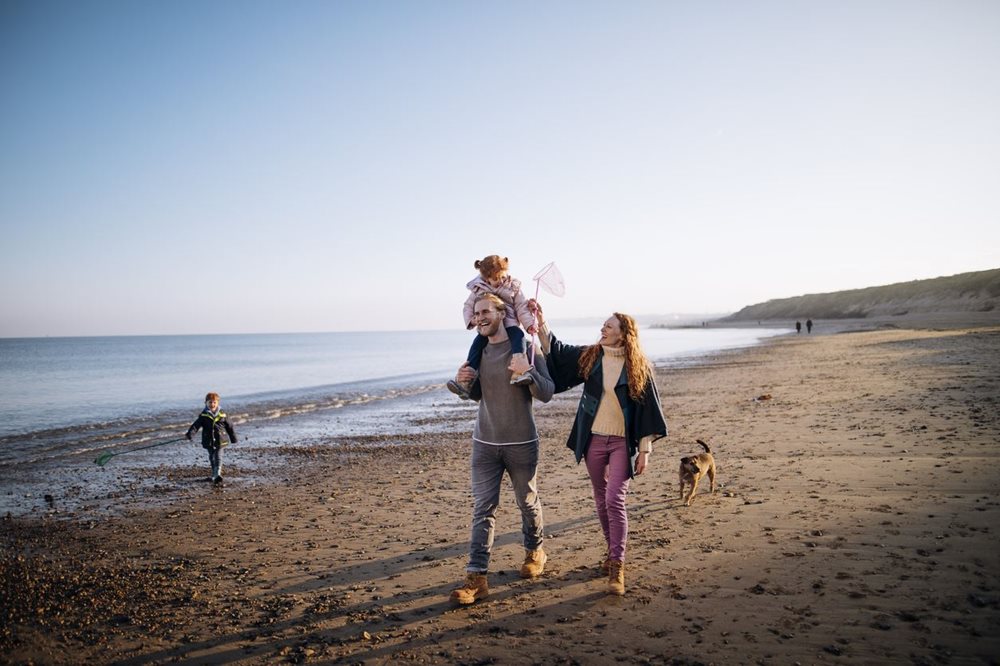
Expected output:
(856, 523)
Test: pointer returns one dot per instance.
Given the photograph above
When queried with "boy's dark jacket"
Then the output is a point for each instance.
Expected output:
(643, 417)
(211, 429)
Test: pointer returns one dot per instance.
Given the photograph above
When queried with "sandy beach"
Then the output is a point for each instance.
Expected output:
(856, 522)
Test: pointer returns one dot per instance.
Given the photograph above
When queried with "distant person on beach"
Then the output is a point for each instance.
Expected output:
(505, 439)
(618, 418)
(494, 279)
(809, 325)
(212, 421)
(798, 327)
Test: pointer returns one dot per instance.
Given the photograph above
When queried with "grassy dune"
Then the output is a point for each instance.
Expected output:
(966, 292)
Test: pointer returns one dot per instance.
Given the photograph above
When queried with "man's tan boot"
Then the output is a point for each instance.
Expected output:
(534, 563)
(606, 563)
(616, 578)
(475, 588)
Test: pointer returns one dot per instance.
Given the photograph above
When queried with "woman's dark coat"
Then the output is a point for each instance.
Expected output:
(642, 417)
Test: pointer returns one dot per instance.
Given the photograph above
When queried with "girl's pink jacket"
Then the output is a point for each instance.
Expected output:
(509, 290)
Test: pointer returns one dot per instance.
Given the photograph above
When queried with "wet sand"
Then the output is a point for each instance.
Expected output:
(856, 522)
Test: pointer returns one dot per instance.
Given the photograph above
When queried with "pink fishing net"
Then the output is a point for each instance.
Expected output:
(551, 280)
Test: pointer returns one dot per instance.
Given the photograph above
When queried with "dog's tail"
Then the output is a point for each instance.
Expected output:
(704, 446)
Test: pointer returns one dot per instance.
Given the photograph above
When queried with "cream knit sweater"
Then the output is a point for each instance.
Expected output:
(609, 419)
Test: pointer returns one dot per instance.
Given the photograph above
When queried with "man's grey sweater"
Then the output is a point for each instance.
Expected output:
(506, 415)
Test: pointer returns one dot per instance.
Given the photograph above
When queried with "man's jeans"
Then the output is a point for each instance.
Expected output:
(489, 462)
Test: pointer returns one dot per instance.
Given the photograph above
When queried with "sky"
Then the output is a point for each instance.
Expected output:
(259, 166)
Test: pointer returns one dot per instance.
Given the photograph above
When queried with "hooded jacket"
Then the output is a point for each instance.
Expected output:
(643, 417)
(211, 426)
(509, 291)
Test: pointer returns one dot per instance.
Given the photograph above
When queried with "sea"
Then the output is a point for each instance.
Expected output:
(66, 401)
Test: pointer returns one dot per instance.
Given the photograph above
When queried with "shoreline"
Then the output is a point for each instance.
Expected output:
(52, 394)
(854, 521)
(64, 482)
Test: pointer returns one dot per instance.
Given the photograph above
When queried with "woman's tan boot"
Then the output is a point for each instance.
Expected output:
(616, 577)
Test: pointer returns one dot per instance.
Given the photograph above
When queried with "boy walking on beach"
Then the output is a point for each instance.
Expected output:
(505, 439)
(212, 421)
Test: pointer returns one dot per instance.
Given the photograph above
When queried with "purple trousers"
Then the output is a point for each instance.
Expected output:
(611, 453)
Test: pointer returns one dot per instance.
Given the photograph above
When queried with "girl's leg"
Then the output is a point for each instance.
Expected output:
(516, 336)
(475, 356)
(597, 461)
(615, 494)
(476, 351)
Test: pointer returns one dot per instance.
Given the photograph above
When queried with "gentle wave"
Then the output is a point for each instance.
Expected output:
(48, 463)
(78, 396)
(98, 437)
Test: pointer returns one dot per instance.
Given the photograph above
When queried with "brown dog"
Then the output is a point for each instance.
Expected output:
(693, 468)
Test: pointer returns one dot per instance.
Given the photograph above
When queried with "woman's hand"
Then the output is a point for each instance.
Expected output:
(640, 464)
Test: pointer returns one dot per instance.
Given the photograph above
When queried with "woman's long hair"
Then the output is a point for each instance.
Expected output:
(637, 366)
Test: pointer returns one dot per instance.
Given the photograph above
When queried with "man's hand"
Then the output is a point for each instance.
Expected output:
(640, 464)
(519, 364)
(465, 375)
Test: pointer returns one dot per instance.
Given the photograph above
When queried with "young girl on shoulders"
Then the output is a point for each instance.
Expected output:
(493, 278)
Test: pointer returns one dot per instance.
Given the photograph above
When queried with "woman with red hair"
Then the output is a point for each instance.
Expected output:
(616, 422)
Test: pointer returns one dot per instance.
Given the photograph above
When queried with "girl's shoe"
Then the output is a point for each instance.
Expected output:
(458, 389)
(522, 379)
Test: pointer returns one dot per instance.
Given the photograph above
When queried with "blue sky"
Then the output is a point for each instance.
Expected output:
(211, 167)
